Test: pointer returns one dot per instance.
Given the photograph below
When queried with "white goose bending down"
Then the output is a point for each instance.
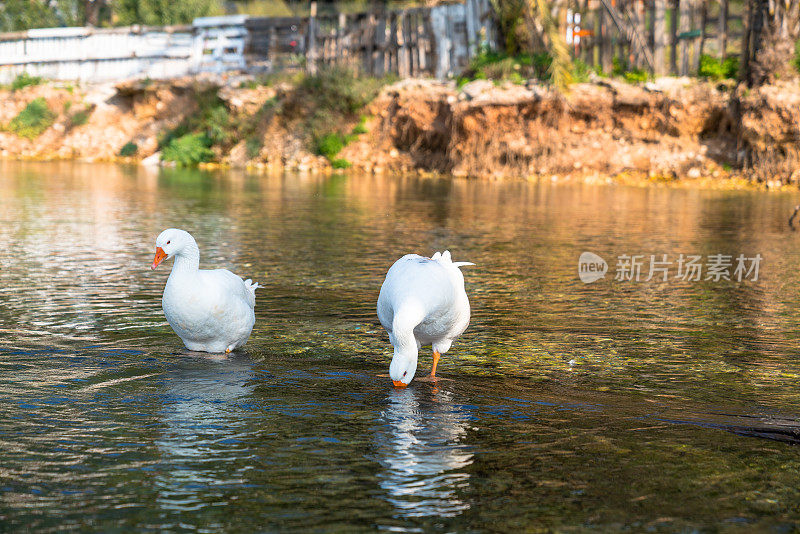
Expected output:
(422, 301)
(210, 310)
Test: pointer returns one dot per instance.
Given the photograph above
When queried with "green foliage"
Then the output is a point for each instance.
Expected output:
(82, 13)
(361, 127)
(714, 69)
(212, 120)
(25, 80)
(160, 12)
(129, 149)
(33, 120)
(339, 90)
(498, 66)
(264, 8)
(332, 96)
(188, 150)
(580, 71)
(216, 122)
(17, 15)
(340, 163)
(629, 74)
(796, 59)
(80, 118)
(636, 76)
(330, 144)
(542, 63)
(273, 78)
(253, 146)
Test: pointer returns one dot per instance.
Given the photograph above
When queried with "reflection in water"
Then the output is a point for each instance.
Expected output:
(421, 448)
(204, 418)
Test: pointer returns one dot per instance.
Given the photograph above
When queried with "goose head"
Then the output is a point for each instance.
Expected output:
(403, 366)
(171, 242)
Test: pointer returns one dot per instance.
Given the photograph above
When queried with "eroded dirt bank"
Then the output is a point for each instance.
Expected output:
(668, 129)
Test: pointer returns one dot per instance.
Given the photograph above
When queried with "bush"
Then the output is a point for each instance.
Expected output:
(714, 69)
(796, 60)
(160, 13)
(129, 149)
(330, 144)
(339, 90)
(80, 118)
(25, 80)
(253, 146)
(497, 66)
(361, 127)
(33, 120)
(580, 71)
(629, 74)
(188, 150)
(340, 163)
(216, 122)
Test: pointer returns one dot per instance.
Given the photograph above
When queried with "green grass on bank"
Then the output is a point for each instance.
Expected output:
(321, 106)
(518, 69)
(33, 120)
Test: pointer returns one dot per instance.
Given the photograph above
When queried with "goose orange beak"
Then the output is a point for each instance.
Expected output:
(398, 384)
(160, 256)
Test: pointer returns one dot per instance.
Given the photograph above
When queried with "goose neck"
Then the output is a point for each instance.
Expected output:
(188, 259)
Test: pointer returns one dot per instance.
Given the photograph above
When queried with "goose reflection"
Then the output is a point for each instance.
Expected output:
(204, 414)
(421, 448)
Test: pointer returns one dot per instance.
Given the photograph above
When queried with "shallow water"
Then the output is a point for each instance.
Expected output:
(616, 405)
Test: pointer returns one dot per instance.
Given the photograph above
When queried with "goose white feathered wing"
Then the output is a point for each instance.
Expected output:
(422, 301)
(210, 310)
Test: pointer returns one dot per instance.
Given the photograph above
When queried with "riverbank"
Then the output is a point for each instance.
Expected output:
(666, 131)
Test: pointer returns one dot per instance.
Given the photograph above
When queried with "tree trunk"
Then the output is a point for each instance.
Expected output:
(768, 43)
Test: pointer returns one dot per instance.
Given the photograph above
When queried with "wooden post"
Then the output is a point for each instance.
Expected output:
(673, 38)
(311, 42)
(597, 48)
(723, 29)
(587, 41)
(744, 58)
(339, 52)
(472, 23)
(641, 29)
(659, 35)
(412, 25)
(368, 36)
(451, 48)
(438, 38)
(406, 62)
(393, 55)
(379, 48)
(272, 46)
(604, 33)
(683, 29)
(702, 38)
(423, 61)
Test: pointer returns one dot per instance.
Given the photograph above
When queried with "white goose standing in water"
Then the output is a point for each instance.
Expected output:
(422, 301)
(210, 310)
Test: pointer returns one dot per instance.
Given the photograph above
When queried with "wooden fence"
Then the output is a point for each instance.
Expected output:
(436, 41)
(659, 36)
